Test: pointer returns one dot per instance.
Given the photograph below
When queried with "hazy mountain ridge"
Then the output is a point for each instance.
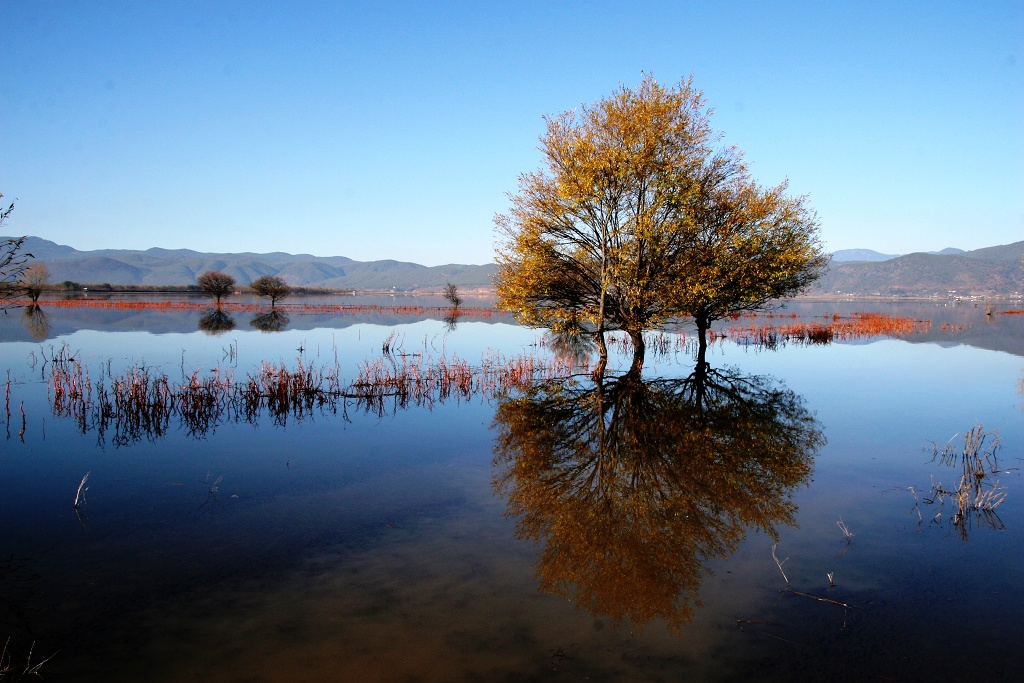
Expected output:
(157, 266)
(990, 271)
(844, 255)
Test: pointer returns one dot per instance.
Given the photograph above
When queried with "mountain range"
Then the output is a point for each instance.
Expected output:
(181, 267)
(992, 271)
(872, 255)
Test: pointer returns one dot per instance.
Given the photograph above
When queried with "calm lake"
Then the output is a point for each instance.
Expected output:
(777, 514)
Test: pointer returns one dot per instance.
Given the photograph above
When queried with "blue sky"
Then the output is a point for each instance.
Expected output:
(395, 131)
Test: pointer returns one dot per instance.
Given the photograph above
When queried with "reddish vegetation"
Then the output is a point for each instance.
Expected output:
(143, 403)
(859, 326)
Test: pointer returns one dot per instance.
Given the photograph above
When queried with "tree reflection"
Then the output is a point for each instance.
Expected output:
(216, 321)
(36, 322)
(572, 345)
(451, 319)
(631, 483)
(271, 321)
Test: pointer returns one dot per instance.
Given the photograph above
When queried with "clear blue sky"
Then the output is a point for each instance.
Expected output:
(395, 130)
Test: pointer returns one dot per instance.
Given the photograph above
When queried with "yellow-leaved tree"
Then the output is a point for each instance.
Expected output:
(639, 215)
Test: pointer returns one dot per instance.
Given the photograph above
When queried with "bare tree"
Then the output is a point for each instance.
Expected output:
(216, 284)
(270, 287)
(451, 293)
(12, 261)
(34, 280)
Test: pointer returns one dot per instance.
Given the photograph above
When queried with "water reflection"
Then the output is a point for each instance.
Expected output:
(271, 321)
(631, 483)
(36, 322)
(1020, 389)
(574, 346)
(216, 321)
(451, 319)
(144, 403)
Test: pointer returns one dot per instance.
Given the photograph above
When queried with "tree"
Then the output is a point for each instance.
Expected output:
(270, 287)
(34, 280)
(216, 285)
(12, 260)
(451, 293)
(638, 217)
(752, 246)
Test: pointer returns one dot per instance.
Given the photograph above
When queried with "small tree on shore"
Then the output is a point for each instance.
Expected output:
(451, 293)
(270, 287)
(12, 260)
(216, 284)
(34, 280)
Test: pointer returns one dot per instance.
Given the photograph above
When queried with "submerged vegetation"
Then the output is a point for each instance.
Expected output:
(974, 498)
(142, 402)
(834, 328)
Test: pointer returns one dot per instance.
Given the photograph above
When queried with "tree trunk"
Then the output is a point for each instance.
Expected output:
(702, 363)
(702, 336)
(602, 350)
(639, 347)
(700, 377)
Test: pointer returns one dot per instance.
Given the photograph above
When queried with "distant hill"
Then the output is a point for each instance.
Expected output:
(181, 266)
(992, 271)
(844, 255)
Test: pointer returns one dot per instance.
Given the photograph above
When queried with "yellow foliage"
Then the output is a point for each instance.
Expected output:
(638, 216)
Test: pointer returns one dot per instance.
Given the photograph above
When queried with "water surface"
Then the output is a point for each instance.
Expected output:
(566, 531)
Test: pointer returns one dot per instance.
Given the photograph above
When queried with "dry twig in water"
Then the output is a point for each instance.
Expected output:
(80, 493)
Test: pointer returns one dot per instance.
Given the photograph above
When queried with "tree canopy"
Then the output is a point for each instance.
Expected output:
(34, 280)
(639, 216)
(270, 287)
(216, 284)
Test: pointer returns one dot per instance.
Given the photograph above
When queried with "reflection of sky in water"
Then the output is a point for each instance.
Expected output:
(374, 546)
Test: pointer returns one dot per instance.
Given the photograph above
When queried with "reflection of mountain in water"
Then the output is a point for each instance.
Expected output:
(64, 321)
(631, 484)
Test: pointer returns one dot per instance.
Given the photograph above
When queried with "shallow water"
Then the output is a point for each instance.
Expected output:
(437, 542)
